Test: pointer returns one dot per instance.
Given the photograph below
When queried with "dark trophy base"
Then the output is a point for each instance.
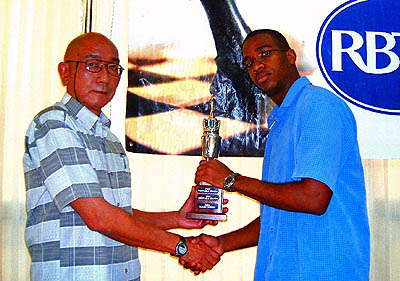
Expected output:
(209, 204)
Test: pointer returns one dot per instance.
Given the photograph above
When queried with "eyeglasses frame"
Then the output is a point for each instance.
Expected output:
(103, 63)
(261, 59)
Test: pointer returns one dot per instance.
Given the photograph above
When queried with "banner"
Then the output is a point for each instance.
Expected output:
(181, 51)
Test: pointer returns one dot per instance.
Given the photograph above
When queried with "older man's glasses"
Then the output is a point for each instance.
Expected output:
(96, 66)
(248, 65)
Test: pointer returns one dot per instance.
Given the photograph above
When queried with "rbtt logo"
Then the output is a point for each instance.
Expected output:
(358, 52)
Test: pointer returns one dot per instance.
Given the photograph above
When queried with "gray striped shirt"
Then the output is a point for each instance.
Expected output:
(70, 153)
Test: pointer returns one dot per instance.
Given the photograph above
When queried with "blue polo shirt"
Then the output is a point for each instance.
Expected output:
(314, 136)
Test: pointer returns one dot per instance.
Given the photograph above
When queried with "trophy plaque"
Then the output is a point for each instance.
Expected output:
(209, 199)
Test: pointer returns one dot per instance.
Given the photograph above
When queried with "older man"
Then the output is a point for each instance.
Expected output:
(81, 225)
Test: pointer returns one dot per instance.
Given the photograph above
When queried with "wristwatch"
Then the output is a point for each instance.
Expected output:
(229, 181)
(181, 248)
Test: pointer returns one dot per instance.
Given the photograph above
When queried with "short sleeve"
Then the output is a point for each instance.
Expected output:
(326, 137)
(67, 171)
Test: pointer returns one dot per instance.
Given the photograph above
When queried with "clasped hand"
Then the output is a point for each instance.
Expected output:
(204, 252)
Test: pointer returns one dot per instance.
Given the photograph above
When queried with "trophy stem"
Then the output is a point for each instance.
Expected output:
(209, 199)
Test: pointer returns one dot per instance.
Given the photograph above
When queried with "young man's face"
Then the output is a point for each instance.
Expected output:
(93, 90)
(269, 66)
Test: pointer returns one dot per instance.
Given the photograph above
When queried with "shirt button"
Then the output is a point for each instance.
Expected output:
(118, 206)
(126, 270)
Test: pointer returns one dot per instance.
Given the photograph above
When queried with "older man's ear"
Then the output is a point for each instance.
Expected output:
(63, 71)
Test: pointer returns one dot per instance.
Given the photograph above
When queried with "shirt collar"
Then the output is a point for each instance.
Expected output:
(83, 113)
(291, 96)
(294, 91)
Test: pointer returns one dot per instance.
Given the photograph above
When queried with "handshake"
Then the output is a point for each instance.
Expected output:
(203, 253)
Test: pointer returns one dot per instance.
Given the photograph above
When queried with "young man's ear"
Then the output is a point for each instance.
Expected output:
(291, 54)
(63, 71)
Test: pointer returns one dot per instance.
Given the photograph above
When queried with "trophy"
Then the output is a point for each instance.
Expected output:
(209, 199)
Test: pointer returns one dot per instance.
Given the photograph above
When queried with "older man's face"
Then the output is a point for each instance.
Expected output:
(93, 90)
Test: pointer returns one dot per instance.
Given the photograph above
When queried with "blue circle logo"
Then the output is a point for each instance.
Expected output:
(358, 53)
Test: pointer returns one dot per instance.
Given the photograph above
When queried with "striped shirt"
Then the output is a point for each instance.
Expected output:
(70, 153)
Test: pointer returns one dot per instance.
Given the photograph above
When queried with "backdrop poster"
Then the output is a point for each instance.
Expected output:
(180, 51)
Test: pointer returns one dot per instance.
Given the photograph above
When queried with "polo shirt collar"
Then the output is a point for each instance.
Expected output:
(83, 113)
(291, 96)
(294, 91)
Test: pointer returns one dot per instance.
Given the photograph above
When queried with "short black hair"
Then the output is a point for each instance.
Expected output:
(279, 39)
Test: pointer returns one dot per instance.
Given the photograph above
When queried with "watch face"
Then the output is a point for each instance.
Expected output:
(182, 249)
(229, 180)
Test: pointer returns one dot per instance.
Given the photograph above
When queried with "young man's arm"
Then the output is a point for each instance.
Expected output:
(308, 195)
(239, 239)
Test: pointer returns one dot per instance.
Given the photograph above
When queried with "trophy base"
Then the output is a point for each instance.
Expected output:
(207, 216)
(208, 203)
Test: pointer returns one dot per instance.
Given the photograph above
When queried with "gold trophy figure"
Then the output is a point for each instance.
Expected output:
(209, 199)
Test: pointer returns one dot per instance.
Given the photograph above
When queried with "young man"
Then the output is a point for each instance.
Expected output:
(81, 225)
(313, 223)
